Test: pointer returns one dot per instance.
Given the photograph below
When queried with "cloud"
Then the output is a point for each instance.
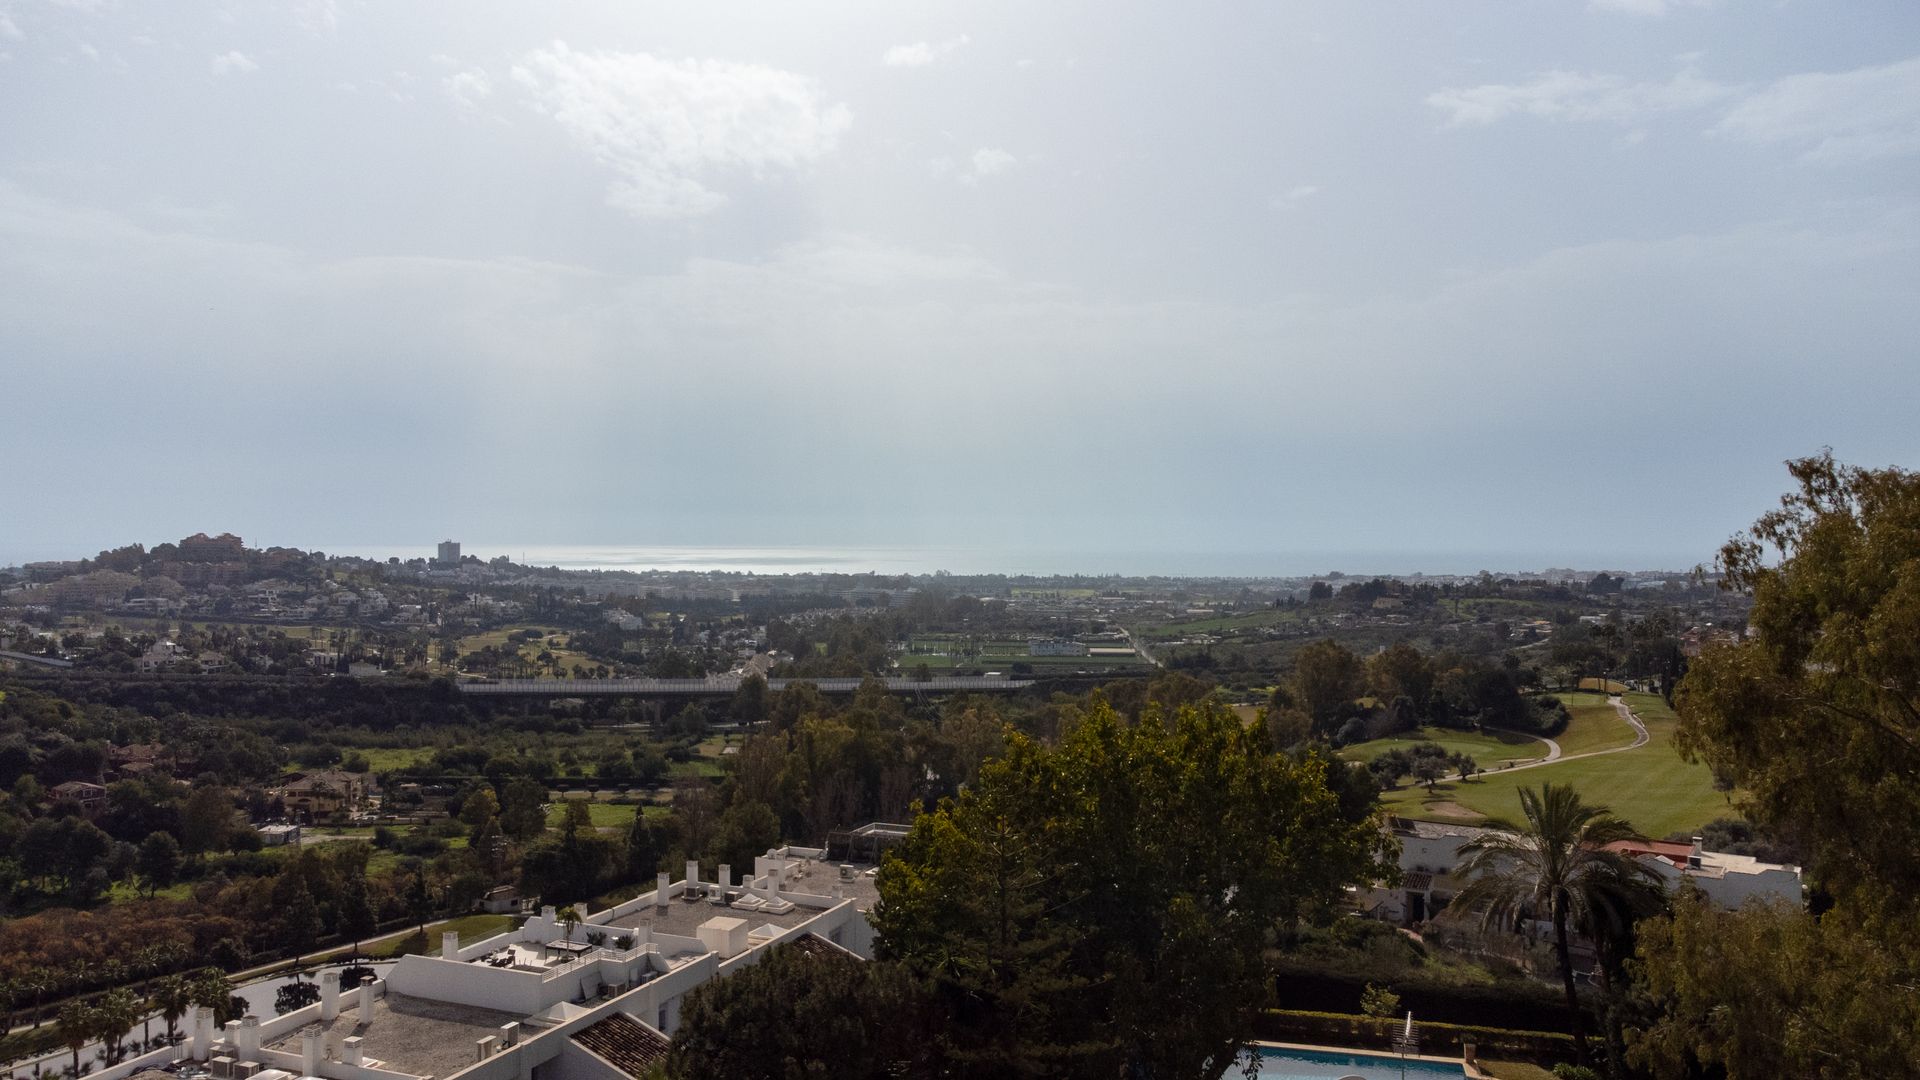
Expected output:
(1654, 9)
(989, 161)
(1859, 115)
(1294, 196)
(920, 53)
(468, 88)
(668, 128)
(1567, 95)
(233, 62)
(8, 28)
(318, 17)
(1834, 118)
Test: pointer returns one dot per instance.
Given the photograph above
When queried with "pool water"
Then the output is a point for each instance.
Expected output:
(1277, 1064)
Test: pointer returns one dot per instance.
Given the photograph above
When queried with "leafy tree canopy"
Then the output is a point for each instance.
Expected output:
(1102, 906)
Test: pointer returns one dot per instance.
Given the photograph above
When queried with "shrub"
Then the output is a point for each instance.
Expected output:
(1379, 1001)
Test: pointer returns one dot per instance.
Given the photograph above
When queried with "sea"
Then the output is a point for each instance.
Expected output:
(918, 560)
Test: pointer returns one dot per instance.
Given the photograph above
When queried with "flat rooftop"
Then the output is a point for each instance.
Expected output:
(812, 876)
(409, 1034)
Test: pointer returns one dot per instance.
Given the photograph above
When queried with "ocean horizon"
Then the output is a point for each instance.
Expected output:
(921, 561)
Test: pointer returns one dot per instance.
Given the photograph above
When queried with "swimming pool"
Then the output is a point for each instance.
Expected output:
(1278, 1064)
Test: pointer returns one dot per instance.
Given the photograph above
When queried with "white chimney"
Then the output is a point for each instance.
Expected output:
(310, 1050)
(450, 945)
(192, 1029)
(350, 1049)
(726, 877)
(203, 1035)
(366, 1000)
(247, 1041)
(693, 876)
(1693, 857)
(660, 887)
(509, 1034)
(329, 994)
(550, 915)
(485, 1047)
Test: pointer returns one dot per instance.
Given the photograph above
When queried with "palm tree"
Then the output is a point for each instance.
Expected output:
(173, 994)
(114, 1018)
(1557, 864)
(570, 919)
(76, 1024)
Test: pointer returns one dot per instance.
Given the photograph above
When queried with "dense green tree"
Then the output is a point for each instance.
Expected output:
(353, 910)
(159, 861)
(1814, 716)
(1326, 679)
(745, 830)
(1101, 908)
(1556, 866)
(206, 820)
(1771, 991)
(523, 809)
(806, 1011)
(649, 840)
(1400, 670)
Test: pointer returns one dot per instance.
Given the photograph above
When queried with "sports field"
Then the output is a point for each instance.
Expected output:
(1651, 786)
(1487, 749)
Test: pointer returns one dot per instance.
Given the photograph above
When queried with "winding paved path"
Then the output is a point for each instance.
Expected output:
(1640, 738)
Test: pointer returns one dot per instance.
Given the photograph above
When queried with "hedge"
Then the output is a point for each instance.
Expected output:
(1505, 1005)
(1347, 1029)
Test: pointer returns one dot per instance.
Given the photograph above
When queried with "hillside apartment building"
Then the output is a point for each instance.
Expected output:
(540, 1003)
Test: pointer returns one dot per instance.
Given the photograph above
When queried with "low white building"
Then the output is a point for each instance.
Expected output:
(1727, 880)
(1431, 853)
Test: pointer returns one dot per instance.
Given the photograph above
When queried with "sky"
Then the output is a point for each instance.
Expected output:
(1402, 285)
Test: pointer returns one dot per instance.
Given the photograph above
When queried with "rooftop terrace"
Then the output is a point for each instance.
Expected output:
(408, 1034)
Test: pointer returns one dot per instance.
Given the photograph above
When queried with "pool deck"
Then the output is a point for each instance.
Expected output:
(1475, 1074)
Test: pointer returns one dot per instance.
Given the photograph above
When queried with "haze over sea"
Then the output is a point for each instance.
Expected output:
(979, 560)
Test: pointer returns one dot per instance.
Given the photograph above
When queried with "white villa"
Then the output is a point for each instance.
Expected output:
(1430, 853)
(596, 1001)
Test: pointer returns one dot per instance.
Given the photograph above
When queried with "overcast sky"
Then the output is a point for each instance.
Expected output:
(1429, 283)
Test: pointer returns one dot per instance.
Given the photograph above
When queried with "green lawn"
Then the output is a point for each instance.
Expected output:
(1595, 725)
(604, 815)
(1652, 787)
(389, 758)
(472, 929)
(1487, 749)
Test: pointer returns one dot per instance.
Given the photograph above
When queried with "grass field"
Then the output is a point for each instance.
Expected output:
(529, 649)
(1652, 787)
(472, 930)
(1487, 749)
(1239, 620)
(1595, 725)
(605, 815)
(1610, 686)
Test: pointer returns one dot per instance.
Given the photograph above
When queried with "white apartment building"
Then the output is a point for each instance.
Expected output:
(544, 1002)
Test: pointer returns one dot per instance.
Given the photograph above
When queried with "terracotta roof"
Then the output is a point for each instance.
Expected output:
(625, 1043)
